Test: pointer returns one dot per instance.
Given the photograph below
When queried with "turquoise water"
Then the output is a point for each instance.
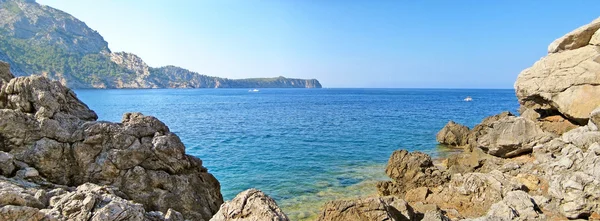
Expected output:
(302, 146)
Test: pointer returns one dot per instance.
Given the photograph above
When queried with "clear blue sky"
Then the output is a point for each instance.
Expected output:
(431, 44)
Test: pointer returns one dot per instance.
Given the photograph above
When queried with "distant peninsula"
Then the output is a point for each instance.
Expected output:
(40, 40)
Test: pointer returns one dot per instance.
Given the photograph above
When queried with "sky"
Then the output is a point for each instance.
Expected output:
(366, 44)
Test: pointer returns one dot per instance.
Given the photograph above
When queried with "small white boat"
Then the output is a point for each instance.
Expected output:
(254, 90)
(468, 99)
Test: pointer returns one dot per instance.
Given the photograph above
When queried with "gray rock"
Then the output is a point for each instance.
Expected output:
(97, 203)
(55, 139)
(516, 205)
(248, 205)
(511, 136)
(7, 165)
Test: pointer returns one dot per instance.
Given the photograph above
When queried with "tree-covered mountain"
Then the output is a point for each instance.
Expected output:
(40, 40)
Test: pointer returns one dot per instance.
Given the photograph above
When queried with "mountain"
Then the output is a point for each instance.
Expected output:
(40, 40)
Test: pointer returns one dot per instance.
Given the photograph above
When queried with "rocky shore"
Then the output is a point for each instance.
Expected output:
(57, 162)
(541, 165)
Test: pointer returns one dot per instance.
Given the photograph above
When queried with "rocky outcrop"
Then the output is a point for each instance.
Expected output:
(375, 208)
(510, 136)
(565, 82)
(250, 205)
(50, 138)
(408, 171)
(453, 134)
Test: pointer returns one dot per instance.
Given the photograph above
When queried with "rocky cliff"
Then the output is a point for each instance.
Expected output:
(40, 40)
(58, 163)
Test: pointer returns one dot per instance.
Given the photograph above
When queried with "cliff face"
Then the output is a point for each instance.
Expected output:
(40, 40)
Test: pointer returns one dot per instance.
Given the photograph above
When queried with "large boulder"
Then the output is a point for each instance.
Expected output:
(565, 82)
(374, 208)
(510, 136)
(44, 126)
(249, 205)
(409, 171)
(453, 134)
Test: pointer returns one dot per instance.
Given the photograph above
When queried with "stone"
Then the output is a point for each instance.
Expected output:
(515, 205)
(6, 164)
(435, 215)
(96, 203)
(248, 205)
(417, 194)
(472, 161)
(54, 139)
(23, 213)
(595, 40)
(510, 137)
(481, 128)
(530, 181)
(575, 39)
(595, 117)
(453, 134)
(564, 83)
(473, 193)
(556, 124)
(412, 170)
(374, 208)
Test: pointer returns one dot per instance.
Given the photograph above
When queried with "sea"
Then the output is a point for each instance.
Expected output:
(303, 147)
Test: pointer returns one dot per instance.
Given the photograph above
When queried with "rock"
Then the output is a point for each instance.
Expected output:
(44, 98)
(595, 40)
(251, 204)
(564, 83)
(23, 213)
(575, 39)
(58, 142)
(481, 128)
(6, 164)
(511, 136)
(19, 194)
(28, 172)
(417, 194)
(435, 215)
(530, 181)
(453, 134)
(578, 194)
(473, 193)
(595, 117)
(472, 161)
(97, 203)
(412, 170)
(517, 205)
(375, 208)
(556, 124)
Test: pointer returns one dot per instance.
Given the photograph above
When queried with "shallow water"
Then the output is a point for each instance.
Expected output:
(302, 146)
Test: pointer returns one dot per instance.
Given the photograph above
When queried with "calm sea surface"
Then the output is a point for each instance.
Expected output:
(302, 146)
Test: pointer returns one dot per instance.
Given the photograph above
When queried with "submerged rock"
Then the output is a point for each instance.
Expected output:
(249, 205)
(453, 134)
